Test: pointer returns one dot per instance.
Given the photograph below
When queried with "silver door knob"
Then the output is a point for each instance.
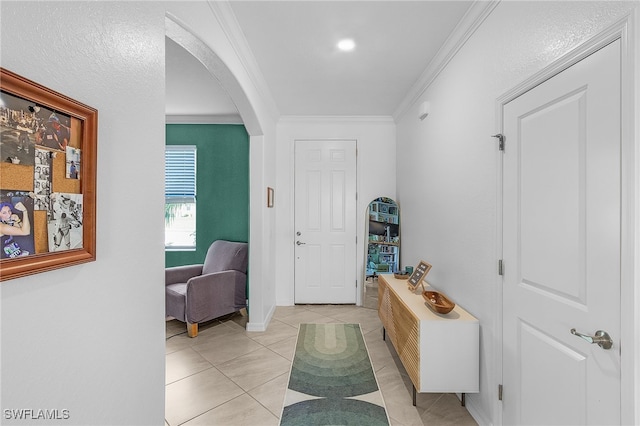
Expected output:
(601, 338)
(298, 243)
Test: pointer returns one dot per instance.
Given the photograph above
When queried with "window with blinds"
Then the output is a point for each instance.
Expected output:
(180, 197)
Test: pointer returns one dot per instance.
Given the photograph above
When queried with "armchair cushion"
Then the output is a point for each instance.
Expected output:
(175, 298)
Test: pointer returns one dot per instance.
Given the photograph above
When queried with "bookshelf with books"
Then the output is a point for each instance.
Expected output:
(383, 254)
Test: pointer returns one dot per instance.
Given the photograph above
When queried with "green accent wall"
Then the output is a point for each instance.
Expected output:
(222, 200)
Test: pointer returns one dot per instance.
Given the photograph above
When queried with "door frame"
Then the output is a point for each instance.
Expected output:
(625, 31)
(359, 286)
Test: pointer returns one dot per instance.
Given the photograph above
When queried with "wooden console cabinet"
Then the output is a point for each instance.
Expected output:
(440, 352)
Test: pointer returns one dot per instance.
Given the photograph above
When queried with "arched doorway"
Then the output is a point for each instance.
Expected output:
(218, 69)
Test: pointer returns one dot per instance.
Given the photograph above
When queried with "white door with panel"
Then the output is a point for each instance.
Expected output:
(325, 221)
(561, 233)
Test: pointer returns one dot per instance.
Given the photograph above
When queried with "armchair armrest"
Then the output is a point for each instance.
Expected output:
(181, 274)
(216, 294)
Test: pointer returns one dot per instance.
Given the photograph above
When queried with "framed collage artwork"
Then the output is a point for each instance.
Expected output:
(48, 150)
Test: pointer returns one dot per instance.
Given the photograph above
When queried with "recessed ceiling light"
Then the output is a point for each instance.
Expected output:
(346, 45)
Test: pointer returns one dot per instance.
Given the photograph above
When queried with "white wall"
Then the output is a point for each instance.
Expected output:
(448, 164)
(376, 177)
(90, 338)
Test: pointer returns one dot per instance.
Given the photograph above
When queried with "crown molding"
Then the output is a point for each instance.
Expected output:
(204, 119)
(336, 119)
(229, 23)
(472, 19)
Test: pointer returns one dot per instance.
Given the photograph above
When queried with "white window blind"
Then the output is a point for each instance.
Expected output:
(180, 173)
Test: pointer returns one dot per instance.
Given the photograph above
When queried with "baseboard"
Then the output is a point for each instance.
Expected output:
(261, 326)
(478, 415)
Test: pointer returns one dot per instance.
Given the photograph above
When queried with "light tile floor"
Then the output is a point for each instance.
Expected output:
(230, 376)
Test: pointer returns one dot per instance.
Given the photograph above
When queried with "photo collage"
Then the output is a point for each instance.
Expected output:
(33, 139)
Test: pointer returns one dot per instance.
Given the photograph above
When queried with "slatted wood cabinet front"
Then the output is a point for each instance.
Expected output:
(440, 352)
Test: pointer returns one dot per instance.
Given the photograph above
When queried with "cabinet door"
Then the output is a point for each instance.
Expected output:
(403, 329)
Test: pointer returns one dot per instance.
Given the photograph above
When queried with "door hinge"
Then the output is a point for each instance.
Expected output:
(499, 392)
(500, 267)
(500, 137)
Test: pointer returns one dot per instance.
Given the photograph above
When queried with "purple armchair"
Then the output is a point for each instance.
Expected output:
(199, 293)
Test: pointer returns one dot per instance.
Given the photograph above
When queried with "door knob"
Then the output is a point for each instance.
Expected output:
(299, 243)
(601, 338)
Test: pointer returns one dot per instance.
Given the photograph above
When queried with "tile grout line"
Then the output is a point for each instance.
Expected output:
(339, 316)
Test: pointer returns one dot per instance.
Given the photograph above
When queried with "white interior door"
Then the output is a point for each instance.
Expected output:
(325, 221)
(561, 245)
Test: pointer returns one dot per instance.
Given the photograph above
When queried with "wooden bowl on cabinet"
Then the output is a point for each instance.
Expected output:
(438, 302)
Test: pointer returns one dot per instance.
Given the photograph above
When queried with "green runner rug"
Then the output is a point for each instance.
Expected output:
(331, 380)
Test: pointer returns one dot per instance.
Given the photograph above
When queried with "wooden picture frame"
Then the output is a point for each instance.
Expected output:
(34, 101)
(419, 273)
(270, 197)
